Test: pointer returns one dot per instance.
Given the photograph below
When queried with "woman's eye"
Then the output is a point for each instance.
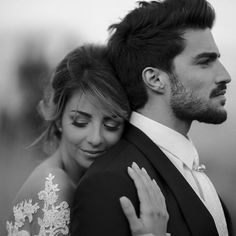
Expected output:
(79, 121)
(112, 125)
(79, 124)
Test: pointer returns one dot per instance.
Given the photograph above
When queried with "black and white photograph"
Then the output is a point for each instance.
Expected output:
(117, 118)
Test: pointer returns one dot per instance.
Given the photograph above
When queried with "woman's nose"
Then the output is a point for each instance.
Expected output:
(95, 137)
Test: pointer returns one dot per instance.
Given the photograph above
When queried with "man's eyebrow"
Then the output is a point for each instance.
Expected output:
(82, 113)
(210, 55)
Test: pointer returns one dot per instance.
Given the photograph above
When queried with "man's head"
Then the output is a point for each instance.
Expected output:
(151, 38)
(198, 80)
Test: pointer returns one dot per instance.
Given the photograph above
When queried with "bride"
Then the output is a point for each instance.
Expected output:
(85, 110)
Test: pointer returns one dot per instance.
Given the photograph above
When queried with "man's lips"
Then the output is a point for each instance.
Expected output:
(219, 91)
(222, 92)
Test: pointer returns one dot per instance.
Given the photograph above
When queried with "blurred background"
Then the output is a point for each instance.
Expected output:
(35, 35)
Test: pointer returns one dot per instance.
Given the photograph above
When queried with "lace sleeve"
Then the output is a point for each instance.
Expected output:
(55, 215)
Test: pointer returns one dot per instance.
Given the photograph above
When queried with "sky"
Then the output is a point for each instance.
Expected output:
(88, 17)
(89, 20)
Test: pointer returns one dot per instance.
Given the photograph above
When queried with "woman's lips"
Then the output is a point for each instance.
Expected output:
(93, 153)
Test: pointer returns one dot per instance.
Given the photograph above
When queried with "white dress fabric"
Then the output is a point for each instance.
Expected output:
(55, 215)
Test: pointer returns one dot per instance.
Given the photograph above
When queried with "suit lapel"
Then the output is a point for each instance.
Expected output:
(196, 215)
(228, 218)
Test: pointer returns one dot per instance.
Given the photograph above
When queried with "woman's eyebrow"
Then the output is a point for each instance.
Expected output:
(82, 113)
(115, 118)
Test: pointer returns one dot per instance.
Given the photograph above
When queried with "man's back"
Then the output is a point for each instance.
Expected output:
(97, 210)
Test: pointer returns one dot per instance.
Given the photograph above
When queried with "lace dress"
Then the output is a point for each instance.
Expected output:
(55, 215)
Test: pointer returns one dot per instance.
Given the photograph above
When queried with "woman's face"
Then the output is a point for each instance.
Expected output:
(87, 132)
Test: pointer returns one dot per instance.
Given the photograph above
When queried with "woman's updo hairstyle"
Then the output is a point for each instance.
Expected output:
(86, 69)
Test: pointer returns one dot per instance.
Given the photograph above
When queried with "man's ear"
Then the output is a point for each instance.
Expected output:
(154, 79)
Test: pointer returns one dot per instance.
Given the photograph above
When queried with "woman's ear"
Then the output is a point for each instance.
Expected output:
(58, 125)
(154, 79)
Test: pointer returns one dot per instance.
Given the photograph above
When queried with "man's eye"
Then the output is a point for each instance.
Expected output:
(206, 62)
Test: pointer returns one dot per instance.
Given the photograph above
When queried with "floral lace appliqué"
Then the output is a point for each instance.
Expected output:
(56, 217)
(21, 211)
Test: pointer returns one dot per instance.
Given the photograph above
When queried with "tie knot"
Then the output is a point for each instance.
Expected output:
(200, 168)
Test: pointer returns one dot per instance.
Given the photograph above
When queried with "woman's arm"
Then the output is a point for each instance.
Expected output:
(42, 206)
(153, 214)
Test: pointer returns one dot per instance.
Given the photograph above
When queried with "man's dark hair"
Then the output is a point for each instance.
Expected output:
(151, 35)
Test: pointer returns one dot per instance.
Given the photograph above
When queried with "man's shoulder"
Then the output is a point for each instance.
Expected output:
(134, 145)
(117, 156)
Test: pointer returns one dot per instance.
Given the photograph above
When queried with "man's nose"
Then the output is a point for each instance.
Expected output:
(223, 75)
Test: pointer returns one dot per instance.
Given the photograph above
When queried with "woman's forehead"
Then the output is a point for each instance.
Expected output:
(88, 103)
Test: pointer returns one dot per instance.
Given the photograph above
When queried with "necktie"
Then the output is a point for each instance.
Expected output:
(210, 199)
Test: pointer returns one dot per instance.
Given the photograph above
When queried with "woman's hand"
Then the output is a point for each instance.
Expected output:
(153, 214)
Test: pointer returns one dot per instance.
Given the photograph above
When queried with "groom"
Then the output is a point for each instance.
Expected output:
(167, 60)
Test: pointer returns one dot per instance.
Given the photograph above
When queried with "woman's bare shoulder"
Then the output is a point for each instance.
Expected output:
(41, 178)
(47, 190)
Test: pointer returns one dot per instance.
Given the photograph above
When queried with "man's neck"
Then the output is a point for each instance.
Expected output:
(166, 118)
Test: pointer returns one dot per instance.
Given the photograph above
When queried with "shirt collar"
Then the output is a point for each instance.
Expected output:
(167, 139)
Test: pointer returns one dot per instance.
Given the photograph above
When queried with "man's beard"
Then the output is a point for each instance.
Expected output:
(186, 105)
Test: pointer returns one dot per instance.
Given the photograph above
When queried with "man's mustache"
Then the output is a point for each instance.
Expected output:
(220, 90)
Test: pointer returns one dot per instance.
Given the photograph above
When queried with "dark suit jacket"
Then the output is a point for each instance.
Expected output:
(97, 211)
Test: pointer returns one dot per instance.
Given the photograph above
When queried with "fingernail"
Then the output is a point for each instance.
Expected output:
(134, 165)
(124, 201)
(130, 170)
(155, 182)
(143, 169)
(123, 197)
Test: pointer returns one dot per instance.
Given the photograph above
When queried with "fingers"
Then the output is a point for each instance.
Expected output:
(152, 188)
(156, 193)
(159, 199)
(153, 214)
(129, 211)
(152, 201)
(140, 184)
(145, 188)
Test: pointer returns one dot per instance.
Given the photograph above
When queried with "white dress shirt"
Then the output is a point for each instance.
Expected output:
(183, 154)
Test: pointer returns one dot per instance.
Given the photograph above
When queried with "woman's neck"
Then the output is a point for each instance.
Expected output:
(73, 170)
